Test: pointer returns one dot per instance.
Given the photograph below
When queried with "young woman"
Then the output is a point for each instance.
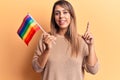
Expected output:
(63, 54)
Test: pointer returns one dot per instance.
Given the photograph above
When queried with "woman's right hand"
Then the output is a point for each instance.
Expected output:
(48, 40)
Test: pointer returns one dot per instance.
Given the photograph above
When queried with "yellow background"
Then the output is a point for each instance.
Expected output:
(15, 56)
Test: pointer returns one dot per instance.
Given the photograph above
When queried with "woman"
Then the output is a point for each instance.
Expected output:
(62, 54)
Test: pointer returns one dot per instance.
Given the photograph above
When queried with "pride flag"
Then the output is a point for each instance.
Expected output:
(28, 28)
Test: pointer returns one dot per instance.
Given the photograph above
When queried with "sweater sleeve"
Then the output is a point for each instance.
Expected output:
(35, 61)
(91, 69)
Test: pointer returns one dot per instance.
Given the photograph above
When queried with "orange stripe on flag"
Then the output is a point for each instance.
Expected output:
(31, 34)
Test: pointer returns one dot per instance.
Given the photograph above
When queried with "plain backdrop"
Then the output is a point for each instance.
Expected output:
(16, 56)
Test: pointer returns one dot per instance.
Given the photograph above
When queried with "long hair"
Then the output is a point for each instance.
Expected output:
(71, 33)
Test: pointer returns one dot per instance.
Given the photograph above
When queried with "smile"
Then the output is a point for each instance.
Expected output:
(62, 22)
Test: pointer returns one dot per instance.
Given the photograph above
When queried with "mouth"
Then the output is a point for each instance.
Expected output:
(62, 22)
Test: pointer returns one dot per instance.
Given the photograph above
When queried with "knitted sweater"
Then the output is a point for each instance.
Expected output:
(60, 64)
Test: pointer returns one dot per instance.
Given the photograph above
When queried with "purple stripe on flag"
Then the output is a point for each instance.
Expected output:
(23, 24)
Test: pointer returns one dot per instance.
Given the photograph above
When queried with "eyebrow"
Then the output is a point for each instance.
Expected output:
(60, 10)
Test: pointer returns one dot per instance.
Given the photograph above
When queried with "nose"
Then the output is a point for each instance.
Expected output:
(61, 15)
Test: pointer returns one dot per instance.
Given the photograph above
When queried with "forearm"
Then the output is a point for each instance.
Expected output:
(43, 58)
(92, 58)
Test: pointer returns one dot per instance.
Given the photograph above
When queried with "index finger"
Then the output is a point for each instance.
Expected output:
(88, 28)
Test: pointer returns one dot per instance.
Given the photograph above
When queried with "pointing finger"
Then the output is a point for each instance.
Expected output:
(88, 28)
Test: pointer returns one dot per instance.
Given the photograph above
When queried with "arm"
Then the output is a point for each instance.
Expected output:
(39, 61)
(42, 53)
(43, 58)
(91, 59)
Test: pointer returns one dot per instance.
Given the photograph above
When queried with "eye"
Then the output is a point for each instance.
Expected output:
(65, 12)
(56, 13)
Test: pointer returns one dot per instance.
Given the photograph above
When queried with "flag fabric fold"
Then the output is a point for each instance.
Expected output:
(28, 28)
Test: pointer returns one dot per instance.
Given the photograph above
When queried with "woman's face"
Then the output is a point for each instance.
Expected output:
(62, 17)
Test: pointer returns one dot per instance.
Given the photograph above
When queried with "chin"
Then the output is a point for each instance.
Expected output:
(63, 26)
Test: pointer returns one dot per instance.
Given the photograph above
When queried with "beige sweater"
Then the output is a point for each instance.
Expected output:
(60, 65)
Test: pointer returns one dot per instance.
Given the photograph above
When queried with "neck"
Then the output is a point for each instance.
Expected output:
(62, 32)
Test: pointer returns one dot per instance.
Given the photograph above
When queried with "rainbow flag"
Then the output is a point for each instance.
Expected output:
(28, 28)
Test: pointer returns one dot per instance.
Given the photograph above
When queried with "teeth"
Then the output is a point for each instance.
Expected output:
(61, 22)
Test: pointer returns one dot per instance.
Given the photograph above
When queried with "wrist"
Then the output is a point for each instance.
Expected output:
(91, 45)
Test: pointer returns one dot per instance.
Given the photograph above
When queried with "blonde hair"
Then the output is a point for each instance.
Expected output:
(71, 33)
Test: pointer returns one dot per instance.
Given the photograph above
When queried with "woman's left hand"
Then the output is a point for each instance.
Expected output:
(88, 37)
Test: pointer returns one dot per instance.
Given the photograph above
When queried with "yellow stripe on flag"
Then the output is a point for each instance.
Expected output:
(27, 32)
